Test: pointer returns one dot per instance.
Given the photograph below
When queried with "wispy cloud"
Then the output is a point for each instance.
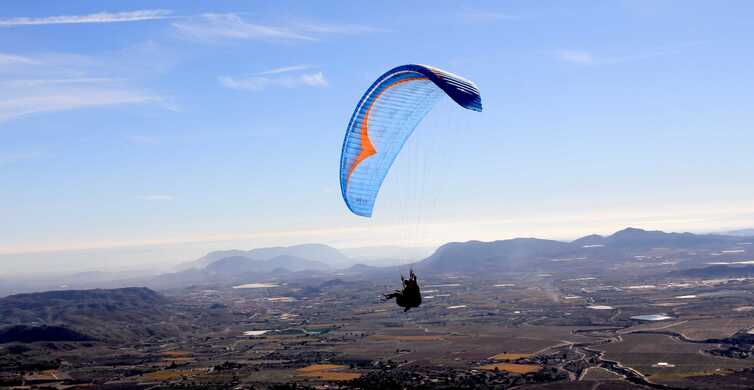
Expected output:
(314, 79)
(212, 27)
(6, 59)
(15, 107)
(40, 82)
(100, 17)
(230, 26)
(60, 82)
(156, 197)
(258, 83)
(283, 69)
(576, 56)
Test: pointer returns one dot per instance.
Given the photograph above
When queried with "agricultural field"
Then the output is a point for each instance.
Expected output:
(668, 360)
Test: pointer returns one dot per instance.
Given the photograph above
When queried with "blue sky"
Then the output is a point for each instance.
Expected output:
(215, 125)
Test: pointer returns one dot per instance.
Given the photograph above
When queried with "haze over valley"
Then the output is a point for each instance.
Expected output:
(526, 312)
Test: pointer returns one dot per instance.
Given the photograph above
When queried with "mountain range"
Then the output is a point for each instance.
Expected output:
(594, 253)
(240, 264)
(311, 252)
(626, 250)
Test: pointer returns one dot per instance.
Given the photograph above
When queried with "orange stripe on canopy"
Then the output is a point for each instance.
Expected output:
(367, 148)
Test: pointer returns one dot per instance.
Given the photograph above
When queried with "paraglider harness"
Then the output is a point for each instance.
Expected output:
(410, 296)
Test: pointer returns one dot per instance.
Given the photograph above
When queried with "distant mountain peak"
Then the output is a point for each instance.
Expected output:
(478, 255)
(633, 230)
(312, 252)
(592, 239)
(236, 265)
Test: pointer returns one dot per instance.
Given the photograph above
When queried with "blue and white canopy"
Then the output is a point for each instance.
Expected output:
(385, 117)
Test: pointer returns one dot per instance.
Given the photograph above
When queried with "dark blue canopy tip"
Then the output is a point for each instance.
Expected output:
(462, 91)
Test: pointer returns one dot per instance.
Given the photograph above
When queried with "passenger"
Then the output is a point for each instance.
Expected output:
(410, 296)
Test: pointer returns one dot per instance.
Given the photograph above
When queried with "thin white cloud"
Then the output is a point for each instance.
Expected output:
(576, 56)
(230, 26)
(6, 59)
(156, 197)
(60, 82)
(68, 99)
(100, 17)
(283, 69)
(314, 79)
(213, 27)
(261, 83)
(41, 82)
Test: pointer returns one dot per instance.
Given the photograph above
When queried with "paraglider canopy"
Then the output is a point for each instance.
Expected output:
(383, 120)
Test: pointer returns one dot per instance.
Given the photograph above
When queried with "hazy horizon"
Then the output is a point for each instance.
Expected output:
(155, 259)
